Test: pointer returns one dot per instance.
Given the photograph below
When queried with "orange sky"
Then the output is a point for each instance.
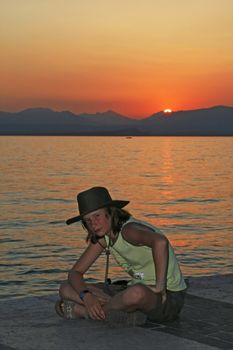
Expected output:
(135, 57)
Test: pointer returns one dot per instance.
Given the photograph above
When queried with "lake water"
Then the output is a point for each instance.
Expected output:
(183, 185)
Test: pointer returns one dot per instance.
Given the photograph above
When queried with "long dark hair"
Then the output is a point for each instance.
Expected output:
(118, 218)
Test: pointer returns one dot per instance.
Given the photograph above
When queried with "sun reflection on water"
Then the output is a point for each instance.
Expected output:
(180, 185)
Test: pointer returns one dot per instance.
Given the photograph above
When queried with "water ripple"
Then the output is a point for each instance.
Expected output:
(182, 185)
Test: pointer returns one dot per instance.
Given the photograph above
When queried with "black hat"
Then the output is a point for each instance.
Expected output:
(93, 199)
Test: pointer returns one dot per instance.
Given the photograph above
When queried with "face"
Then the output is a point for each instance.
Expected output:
(98, 222)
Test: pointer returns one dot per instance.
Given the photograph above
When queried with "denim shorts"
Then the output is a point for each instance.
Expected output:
(169, 311)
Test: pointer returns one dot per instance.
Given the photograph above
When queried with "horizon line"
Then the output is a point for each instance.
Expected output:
(113, 111)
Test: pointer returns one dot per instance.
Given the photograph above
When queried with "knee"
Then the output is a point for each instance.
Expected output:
(63, 289)
(135, 294)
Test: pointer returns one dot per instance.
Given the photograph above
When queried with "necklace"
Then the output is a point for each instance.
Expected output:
(107, 281)
(107, 250)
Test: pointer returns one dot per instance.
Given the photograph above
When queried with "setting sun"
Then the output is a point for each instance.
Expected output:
(82, 61)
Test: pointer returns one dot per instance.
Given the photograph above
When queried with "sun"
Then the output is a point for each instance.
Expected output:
(167, 110)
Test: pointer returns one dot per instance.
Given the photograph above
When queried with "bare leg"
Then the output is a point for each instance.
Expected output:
(67, 292)
(137, 297)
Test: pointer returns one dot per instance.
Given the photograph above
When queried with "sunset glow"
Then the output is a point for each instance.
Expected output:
(167, 111)
(131, 57)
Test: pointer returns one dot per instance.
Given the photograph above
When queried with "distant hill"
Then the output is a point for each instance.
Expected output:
(214, 121)
(210, 121)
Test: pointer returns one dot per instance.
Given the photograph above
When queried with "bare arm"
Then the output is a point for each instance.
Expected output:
(75, 277)
(142, 235)
(89, 256)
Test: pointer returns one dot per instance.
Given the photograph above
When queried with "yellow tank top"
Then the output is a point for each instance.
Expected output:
(138, 261)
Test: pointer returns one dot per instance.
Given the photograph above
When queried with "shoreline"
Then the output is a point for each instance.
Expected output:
(207, 286)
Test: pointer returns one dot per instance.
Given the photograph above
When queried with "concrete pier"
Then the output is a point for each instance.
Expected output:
(206, 323)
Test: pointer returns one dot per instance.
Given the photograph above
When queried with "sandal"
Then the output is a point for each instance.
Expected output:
(65, 309)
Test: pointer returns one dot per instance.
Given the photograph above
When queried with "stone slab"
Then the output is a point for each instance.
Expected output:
(205, 324)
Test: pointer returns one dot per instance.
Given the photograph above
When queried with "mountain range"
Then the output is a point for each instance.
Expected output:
(214, 121)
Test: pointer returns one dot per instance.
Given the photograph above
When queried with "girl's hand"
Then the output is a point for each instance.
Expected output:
(94, 306)
(160, 290)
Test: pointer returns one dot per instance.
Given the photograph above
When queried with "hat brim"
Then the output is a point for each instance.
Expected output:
(114, 203)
